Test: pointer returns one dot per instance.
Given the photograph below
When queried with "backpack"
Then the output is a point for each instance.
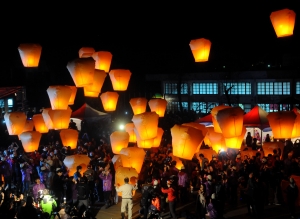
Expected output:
(82, 193)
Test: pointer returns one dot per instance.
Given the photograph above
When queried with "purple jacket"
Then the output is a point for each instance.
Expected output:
(26, 171)
(5, 168)
(36, 188)
(213, 214)
(107, 181)
(182, 179)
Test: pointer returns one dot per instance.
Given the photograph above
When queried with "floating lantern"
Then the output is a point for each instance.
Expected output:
(47, 118)
(73, 94)
(296, 128)
(30, 140)
(86, 52)
(82, 71)
(129, 128)
(109, 100)
(138, 105)
(216, 139)
(72, 161)
(200, 127)
(146, 124)
(283, 22)
(69, 137)
(200, 49)
(90, 93)
(30, 54)
(179, 163)
(59, 97)
(28, 126)
(120, 79)
(97, 84)
(39, 123)
(123, 172)
(208, 153)
(214, 113)
(119, 140)
(148, 143)
(135, 157)
(235, 142)
(60, 118)
(117, 161)
(282, 123)
(15, 122)
(157, 139)
(103, 60)
(159, 106)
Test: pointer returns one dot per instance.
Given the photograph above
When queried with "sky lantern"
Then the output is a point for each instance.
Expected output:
(157, 139)
(200, 49)
(146, 124)
(185, 141)
(39, 123)
(282, 123)
(109, 100)
(138, 105)
(97, 84)
(87, 93)
(135, 157)
(158, 105)
(123, 172)
(283, 22)
(82, 71)
(69, 137)
(86, 52)
(208, 153)
(103, 60)
(30, 140)
(28, 126)
(148, 143)
(268, 147)
(296, 128)
(200, 127)
(72, 161)
(47, 119)
(179, 163)
(120, 79)
(216, 139)
(15, 122)
(60, 118)
(59, 97)
(214, 113)
(117, 161)
(235, 142)
(118, 141)
(30, 54)
(129, 128)
(231, 121)
(73, 94)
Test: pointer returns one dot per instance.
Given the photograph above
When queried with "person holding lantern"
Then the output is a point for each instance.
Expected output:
(171, 198)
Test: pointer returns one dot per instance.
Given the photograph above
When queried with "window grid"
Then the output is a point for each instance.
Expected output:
(174, 106)
(171, 88)
(205, 88)
(274, 88)
(298, 87)
(242, 88)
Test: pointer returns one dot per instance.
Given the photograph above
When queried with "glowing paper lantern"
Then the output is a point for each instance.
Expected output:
(86, 52)
(129, 128)
(231, 121)
(282, 123)
(135, 157)
(90, 93)
(138, 105)
(117, 161)
(179, 163)
(148, 143)
(47, 119)
(109, 100)
(159, 106)
(59, 97)
(82, 71)
(200, 127)
(28, 126)
(216, 139)
(30, 54)
(39, 123)
(72, 161)
(15, 122)
(157, 139)
(296, 128)
(283, 22)
(200, 49)
(208, 153)
(69, 137)
(268, 147)
(146, 124)
(97, 84)
(73, 94)
(120, 79)
(214, 113)
(30, 140)
(103, 60)
(235, 142)
(185, 141)
(60, 118)
(118, 141)
(123, 172)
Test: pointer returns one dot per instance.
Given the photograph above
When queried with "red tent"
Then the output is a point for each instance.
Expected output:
(86, 112)
(257, 117)
(205, 119)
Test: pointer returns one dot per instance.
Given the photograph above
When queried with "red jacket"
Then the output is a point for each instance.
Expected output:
(171, 193)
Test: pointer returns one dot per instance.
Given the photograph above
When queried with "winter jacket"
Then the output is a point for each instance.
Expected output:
(107, 181)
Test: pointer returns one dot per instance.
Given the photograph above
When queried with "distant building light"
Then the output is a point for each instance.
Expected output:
(269, 66)
(126, 113)
(223, 66)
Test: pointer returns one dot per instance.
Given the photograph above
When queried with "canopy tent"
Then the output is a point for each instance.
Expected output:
(206, 120)
(87, 113)
(256, 117)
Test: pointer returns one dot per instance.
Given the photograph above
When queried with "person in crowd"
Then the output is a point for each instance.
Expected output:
(292, 195)
(58, 185)
(26, 171)
(145, 202)
(82, 194)
(47, 203)
(37, 187)
(106, 178)
(171, 191)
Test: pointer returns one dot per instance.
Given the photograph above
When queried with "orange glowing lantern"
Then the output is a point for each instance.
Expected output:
(28, 126)
(296, 128)
(72, 161)
(146, 124)
(135, 157)
(268, 147)
(117, 161)
(216, 139)
(157, 139)
(282, 123)
(148, 143)
(103, 60)
(200, 127)
(47, 118)
(200, 49)
(185, 141)
(69, 137)
(119, 140)
(30, 140)
(235, 142)
(129, 128)
(59, 97)
(159, 106)
(123, 172)
(86, 52)
(138, 105)
(120, 79)
(109, 100)
(30, 54)
(208, 153)
(231, 121)
(214, 113)
(90, 93)
(97, 84)
(39, 123)
(73, 94)
(15, 122)
(179, 163)
(60, 118)
(283, 22)
(82, 71)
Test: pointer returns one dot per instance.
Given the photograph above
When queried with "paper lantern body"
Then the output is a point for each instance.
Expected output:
(157, 139)
(72, 161)
(138, 105)
(231, 121)
(69, 137)
(214, 113)
(296, 128)
(86, 52)
(30, 54)
(39, 123)
(185, 141)
(117, 161)
(82, 71)
(159, 106)
(129, 128)
(283, 22)
(97, 84)
(30, 140)
(135, 157)
(47, 118)
(60, 118)
(90, 93)
(216, 139)
(208, 153)
(235, 142)
(200, 49)
(109, 100)
(73, 94)
(282, 123)
(59, 97)
(28, 126)
(103, 60)
(120, 79)
(179, 163)
(148, 143)
(119, 140)
(146, 125)
(200, 127)
(15, 122)
(123, 172)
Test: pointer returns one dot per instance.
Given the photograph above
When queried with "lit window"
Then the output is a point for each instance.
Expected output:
(242, 88)
(171, 88)
(205, 88)
(273, 88)
(10, 102)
